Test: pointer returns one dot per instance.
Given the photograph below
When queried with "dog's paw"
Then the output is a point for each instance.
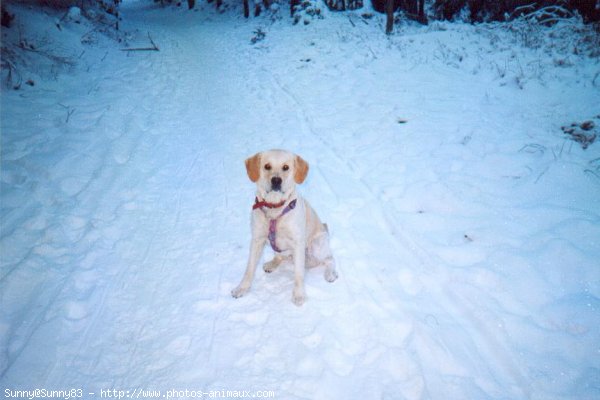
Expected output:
(298, 297)
(270, 266)
(239, 291)
(331, 275)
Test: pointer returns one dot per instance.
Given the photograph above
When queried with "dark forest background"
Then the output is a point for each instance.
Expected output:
(475, 11)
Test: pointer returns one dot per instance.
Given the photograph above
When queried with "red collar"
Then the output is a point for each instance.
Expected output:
(261, 204)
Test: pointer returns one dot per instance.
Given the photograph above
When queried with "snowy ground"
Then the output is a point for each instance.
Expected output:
(465, 225)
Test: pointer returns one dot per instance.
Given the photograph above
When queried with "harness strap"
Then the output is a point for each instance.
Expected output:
(273, 223)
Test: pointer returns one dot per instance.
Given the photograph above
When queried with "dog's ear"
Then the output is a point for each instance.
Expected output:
(300, 170)
(253, 167)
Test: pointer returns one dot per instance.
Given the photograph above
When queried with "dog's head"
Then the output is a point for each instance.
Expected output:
(276, 173)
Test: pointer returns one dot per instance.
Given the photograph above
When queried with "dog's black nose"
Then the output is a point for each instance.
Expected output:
(276, 183)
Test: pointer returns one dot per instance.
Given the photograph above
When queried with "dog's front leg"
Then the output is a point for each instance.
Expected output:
(256, 247)
(299, 295)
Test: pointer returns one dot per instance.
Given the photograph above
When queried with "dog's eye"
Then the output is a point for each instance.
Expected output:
(286, 167)
(268, 167)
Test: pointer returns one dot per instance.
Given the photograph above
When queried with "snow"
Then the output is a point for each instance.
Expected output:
(464, 223)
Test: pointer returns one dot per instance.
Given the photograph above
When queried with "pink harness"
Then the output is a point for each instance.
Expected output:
(273, 222)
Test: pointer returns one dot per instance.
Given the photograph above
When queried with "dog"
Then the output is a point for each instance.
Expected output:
(283, 218)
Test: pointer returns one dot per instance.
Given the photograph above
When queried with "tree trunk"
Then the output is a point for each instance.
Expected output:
(422, 17)
(246, 9)
(389, 10)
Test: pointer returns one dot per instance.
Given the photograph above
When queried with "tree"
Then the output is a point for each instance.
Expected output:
(389, 10)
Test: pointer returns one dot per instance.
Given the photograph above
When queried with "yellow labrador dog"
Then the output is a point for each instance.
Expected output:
(283, 218)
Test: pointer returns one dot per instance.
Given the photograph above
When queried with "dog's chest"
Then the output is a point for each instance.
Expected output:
(280, 228)
(280, 236)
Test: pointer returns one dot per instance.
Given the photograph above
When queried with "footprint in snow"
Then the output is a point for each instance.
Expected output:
(75, 310)
(179, 346)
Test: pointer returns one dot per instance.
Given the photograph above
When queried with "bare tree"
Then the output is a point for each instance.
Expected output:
(389, 10)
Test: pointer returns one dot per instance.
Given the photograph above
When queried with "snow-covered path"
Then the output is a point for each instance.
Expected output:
(466, 237)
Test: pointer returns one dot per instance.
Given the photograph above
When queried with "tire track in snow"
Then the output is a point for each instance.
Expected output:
(383, 216)
(428, 264)
(63, 234)
(493, 345)
(150, 275)
(383, 302)
(118, 169)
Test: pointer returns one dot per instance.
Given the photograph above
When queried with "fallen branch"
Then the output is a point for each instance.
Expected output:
(70, 111)
(153, 48)
(141, 49)
(352, 22)
(23, 45)
(12, 82)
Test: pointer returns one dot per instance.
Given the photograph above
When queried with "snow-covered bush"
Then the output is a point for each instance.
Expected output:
(306, 11)
(343, 5)
(109, 6)
(492, 10)
(42, 53)
(557, 31)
